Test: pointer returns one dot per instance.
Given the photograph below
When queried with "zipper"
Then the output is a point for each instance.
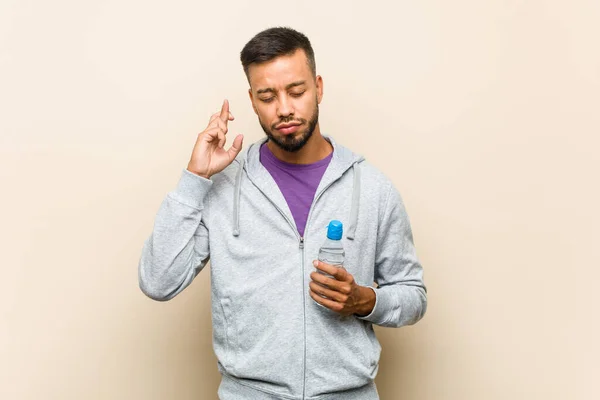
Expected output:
(301, 247)
(301, 240)
(303, 317)
(317, 197)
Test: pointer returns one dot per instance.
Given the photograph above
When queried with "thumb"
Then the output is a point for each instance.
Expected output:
(236, 147)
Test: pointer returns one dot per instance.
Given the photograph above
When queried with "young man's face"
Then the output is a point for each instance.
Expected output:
(285, 95)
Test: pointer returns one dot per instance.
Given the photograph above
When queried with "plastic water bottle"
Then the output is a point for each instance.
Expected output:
(332, 250)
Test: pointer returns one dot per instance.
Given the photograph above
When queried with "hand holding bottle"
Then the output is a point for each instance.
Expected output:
(340, 292)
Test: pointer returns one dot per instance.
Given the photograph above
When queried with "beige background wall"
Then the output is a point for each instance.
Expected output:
(486, 115)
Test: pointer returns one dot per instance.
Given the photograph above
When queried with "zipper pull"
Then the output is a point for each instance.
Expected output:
(301, 242)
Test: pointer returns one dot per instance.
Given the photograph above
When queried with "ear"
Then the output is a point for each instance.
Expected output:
(319, 82)
(252, 100)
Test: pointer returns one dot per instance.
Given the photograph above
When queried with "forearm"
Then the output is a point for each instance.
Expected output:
(398, 305)
(401, 295)
(178, 246)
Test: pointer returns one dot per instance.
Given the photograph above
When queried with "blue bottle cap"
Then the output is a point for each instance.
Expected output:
(335, 230)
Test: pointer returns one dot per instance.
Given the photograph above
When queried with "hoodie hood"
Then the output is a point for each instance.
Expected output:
(342, 161)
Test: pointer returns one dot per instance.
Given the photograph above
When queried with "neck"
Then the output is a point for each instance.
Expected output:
(317, 148)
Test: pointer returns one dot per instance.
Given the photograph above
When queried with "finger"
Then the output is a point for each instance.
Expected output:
(217, 115)
(330, 294)
(224, 111)
(332, 305)
(221, 125)
(222, 138)
(342, 275)
(236, 147)
(327, 268)
(212, 134)
(218, 122)
(324, 280)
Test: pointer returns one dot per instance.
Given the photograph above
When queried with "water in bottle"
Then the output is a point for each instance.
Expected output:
(332, 250)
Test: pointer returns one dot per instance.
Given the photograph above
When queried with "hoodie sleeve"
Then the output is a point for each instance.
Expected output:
(401, 295)
(177, 249)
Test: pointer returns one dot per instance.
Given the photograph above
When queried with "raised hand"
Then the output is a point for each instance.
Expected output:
(209, 155)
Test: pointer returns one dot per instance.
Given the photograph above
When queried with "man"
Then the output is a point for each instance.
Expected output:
(282, 330)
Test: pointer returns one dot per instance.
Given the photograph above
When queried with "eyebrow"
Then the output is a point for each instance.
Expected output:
(271, 90)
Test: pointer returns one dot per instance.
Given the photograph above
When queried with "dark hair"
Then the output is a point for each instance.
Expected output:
(275, 42)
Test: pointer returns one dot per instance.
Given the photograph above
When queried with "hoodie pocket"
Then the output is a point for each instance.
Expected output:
(340, 353)
(374, 348)
(229, 351)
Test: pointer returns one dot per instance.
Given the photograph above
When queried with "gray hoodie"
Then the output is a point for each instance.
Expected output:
(271, 339)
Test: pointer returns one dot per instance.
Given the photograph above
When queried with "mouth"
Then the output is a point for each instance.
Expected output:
(288, 128)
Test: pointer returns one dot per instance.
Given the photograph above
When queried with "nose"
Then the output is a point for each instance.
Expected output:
(285, 108)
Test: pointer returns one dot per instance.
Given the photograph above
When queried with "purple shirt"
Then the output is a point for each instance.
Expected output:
(297, 182)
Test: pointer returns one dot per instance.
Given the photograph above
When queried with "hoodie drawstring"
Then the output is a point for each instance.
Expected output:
(355, 200)
(236, 199)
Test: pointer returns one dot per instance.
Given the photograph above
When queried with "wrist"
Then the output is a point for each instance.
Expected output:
(200, 174)
(367, 302)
